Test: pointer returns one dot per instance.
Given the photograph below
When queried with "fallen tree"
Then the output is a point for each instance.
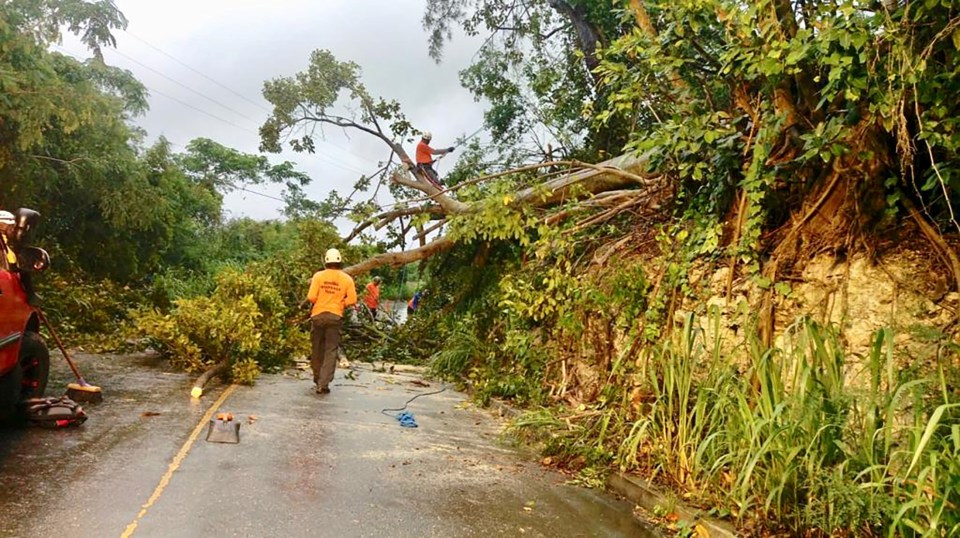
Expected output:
(308, 101)
(784, 161)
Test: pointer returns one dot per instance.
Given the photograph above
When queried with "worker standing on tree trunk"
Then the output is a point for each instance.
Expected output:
(425, 158)
(372, 298)
(331, 290)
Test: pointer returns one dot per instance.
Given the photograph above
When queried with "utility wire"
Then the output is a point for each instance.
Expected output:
(230, 183)
(204, 112)
(229, 89)
(181, 84)
(244, 189)
(188, 105)
(174, 58)
(158, 92)
(330, 159)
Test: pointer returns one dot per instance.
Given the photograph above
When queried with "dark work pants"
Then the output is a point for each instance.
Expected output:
(431, 174)
(324, 339)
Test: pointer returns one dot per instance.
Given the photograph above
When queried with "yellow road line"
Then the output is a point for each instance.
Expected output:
(177, 460)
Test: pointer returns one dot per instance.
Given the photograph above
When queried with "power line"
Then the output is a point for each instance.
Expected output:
(188, 105)
(158, 92)
(244, 189)
(229, 89)
(204, 112)
(188, 88)
(330, 159)
(174, 58)
(230, 183)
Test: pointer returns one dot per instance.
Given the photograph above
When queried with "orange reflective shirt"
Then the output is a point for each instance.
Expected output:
(424, 153)
(331, 290)
(372, 299)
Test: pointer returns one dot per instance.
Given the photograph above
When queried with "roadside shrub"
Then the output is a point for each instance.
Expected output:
(279, 340)
(79, 305)
(778, 438)
(170, 285)
(461, 349)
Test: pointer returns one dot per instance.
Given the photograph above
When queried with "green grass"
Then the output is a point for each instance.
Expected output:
(780, 439)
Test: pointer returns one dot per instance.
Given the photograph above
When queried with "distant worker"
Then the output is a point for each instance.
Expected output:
(425, 157)
(372, 298)
(414, 303)
(331, 290)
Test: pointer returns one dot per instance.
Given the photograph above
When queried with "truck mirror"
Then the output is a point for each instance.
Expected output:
(26, 219)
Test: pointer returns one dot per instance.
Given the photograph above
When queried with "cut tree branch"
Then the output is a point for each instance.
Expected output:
(396, 259)
(599, 185)
(381, 219)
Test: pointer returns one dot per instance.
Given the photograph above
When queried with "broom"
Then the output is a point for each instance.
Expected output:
(81, 391)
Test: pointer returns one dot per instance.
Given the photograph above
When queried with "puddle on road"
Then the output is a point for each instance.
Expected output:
(571, 512)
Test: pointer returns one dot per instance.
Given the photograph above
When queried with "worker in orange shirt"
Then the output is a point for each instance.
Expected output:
(372, 297)
(425, 158)
(331, 290)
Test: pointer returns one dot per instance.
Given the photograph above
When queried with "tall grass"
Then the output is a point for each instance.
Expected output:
(462, 348)
(783, 440)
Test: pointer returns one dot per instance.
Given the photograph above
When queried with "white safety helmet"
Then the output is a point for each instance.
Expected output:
(332, 256)
(427, 135)
(7, 221)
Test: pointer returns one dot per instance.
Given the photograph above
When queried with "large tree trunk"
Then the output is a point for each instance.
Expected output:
(587, 33)
(620, 173)
(591, 182)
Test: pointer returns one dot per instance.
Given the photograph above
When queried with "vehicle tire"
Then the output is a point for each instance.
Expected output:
(10, 388)
(35, 365)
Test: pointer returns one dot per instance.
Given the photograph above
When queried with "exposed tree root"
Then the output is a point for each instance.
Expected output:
(947, 254)
(737, 230)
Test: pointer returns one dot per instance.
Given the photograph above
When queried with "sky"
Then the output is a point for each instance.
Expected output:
(204, 63)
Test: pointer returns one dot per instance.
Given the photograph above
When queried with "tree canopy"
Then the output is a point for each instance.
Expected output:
(68, 149)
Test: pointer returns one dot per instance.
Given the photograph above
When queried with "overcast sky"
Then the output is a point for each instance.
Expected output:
(204, 63)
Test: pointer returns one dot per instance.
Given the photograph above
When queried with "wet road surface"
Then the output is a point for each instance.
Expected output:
(307, 465)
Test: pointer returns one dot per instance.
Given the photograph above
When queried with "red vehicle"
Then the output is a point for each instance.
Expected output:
(24, 359)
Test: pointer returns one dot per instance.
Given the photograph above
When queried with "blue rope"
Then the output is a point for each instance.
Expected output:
(406, 418)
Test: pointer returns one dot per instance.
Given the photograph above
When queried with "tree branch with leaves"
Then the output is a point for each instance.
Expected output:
(330, 93)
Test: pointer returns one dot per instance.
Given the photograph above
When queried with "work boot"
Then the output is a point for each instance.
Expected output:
(323, 390)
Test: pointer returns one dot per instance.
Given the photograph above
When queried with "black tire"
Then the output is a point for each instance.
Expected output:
(10, 387)
(35, 365)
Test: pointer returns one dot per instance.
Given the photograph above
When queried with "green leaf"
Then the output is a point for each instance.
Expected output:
(782, 288)
(928, 432)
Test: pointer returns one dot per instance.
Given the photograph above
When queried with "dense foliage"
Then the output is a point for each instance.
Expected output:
(776, 130)
(132, 226)
(829, 117)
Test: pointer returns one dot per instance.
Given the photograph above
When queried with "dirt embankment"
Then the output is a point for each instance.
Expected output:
(905, 291)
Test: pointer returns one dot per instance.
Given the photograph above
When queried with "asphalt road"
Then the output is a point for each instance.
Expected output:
(307, 465)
